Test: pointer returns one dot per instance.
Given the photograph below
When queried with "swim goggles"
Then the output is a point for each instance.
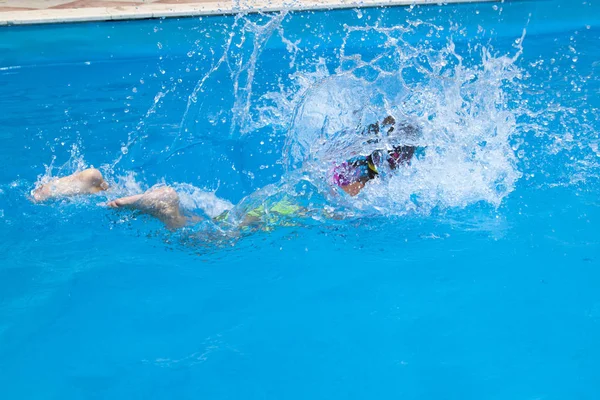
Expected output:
(365, 168)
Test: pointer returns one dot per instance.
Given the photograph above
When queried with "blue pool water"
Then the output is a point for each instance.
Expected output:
(472, 274)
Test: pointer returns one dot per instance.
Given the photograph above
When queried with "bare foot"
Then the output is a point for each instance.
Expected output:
(88, 181)
(161, 203)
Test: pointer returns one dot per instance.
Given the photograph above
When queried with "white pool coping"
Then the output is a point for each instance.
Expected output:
(146, 11)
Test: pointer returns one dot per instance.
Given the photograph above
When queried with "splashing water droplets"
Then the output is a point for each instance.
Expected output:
(466, 155)
(467, 101)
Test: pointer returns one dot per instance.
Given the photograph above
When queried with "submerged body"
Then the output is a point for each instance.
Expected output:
(163, 202)
(160, 202)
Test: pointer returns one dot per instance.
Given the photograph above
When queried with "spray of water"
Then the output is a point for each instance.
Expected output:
(461, 108)
(471, 105)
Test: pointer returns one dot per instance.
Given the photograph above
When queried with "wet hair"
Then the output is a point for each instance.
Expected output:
(363, 169)
(401, 154)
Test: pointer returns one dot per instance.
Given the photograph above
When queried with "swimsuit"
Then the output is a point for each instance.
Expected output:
(268, 212)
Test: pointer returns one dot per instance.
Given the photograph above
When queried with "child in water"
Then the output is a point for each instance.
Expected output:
(163, 202)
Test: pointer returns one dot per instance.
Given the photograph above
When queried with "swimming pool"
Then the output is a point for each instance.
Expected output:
(473, 274)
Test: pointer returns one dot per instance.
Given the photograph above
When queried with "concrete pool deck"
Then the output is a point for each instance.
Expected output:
(24, 12)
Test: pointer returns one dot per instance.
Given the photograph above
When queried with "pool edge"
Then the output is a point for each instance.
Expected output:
(150, 11)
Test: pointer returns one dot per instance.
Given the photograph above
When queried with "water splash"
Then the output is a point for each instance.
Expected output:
(462, 108)
(481, 126)
(75, 163)
(193, 198)
(460, 99)
(240, 64)
(139, 133)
